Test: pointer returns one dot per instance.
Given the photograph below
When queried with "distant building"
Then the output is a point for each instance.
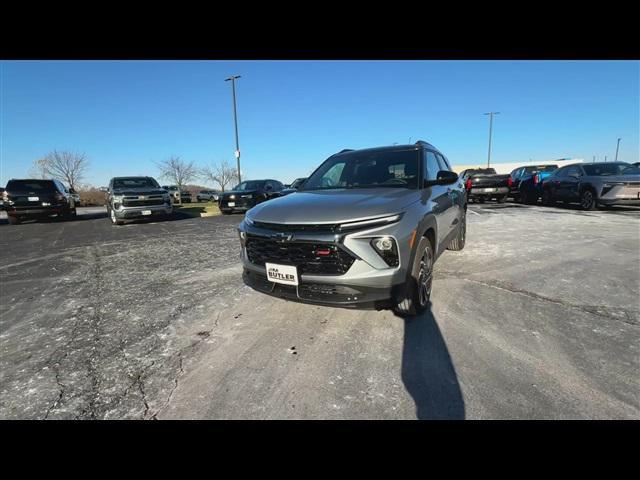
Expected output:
(509, 167)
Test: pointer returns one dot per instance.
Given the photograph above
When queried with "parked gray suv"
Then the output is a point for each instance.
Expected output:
(131, 198)
(364, 230)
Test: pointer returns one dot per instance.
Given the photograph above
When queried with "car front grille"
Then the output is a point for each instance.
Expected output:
(135, 202)
(304, 255)
(282, 227)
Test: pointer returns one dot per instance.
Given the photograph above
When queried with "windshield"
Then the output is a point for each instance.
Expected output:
(603, 169)
(135, 182)
(250, 185)
(367, 169)
(31, 185)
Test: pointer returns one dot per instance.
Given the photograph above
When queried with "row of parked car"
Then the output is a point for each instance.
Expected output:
(128, 198)
(589, 184)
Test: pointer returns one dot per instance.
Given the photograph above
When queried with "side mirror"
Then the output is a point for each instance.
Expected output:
(104, 189)
(444, 177)
(268, 188)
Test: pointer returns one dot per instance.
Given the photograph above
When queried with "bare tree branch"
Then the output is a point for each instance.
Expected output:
(221, 173)
(177, 170)
(69, 167)
(39, 169)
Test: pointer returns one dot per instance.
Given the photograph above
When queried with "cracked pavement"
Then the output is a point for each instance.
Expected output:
(538, 317)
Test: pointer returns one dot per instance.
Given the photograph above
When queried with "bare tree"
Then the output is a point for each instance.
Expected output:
(39, 169)
(221, 173)
(69, 167)
(177, 171)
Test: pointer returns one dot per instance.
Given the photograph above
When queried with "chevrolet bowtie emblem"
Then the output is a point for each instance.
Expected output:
(282, 237)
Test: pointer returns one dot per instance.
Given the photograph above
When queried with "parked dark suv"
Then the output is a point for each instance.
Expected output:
(364, 230)
(35, 198)
(248, 194)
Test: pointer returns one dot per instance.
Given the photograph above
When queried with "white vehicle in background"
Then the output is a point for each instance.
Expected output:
(207, 195)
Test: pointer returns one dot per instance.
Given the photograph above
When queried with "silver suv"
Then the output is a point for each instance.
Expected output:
(364, 230)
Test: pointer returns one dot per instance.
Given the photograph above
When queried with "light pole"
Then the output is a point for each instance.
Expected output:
(235, 120)
(491, 114)
(617, 148)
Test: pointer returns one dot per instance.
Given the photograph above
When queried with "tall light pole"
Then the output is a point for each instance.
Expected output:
(491, 114)
(617, 148)
(235, 120)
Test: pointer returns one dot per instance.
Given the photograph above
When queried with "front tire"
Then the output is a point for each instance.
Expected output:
(588, 200)
(114, 219)
(418, 291)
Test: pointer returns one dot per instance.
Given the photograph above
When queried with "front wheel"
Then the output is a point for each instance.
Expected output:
(588, 200)
(114, 219)
(547, 199)
(418, 292)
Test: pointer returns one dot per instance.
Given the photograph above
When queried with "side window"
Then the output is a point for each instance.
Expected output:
(573, 171)
(432, 166)
(562, 172)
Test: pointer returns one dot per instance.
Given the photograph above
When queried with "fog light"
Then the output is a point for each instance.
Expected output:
(384, 244)
(387, 249)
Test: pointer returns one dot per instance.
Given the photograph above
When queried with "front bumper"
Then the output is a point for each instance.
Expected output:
(332, 294)
(240, 204)
(136, 212)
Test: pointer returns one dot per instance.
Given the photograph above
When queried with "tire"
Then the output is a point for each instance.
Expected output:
(457, 243)
(502, 199)
(114, 219)
(420, 281)
(13, 220)
(547, 199)
(481, 199)
(588, 200)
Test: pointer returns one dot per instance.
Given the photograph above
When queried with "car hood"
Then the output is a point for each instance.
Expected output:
(139, 191)
(333, 206)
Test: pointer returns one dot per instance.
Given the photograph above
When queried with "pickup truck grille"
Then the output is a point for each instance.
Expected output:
(302, 254)
(135, 202)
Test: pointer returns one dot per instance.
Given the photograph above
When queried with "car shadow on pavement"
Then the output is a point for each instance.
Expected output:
(427, 371)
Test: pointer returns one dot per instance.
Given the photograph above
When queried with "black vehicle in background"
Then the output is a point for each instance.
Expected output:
(526, 182)
(1, 199)
(248, 194)
(483, 184)
(297, 183)
(593, 184)
(25, 199)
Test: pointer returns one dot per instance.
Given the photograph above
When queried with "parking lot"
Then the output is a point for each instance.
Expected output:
(537, 318)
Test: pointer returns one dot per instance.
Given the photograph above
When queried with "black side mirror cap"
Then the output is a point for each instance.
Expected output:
(444, 177)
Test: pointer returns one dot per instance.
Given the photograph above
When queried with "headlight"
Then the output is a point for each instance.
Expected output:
(246, 196)
(386, 247)
(232, 197)
(118, 198)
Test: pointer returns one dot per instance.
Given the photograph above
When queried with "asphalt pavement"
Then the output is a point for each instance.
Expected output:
(537, 318)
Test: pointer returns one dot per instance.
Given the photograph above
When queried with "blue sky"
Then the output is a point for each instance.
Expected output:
(293, 114)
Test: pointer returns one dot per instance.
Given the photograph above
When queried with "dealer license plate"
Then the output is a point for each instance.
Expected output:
(146, 212)
(34, 199)
(232, 204)
(285, 274)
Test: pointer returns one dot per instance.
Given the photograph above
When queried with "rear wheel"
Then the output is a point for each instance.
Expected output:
(481, 199)
(588, 200)
(547, 199)
(418, 291)
(458, 242)
(502, 199)
(13, 220)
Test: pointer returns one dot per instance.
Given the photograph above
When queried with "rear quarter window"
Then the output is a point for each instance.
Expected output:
(31, 185)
